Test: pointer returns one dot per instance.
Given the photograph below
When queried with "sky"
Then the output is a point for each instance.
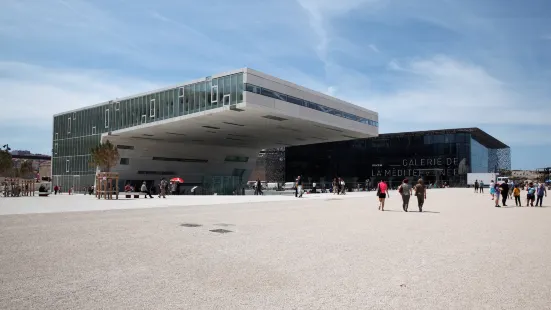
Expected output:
(421, 64)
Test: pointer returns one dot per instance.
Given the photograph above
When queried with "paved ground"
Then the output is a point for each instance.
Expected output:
(322, 252)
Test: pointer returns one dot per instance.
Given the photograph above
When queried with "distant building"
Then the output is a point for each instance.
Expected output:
(437, 156)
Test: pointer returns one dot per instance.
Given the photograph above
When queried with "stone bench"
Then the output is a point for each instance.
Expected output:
(43, 194)
(130, 194)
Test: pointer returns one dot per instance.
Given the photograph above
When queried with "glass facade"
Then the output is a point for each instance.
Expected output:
(75, 133)
(479, 157)
(308, 104)
(437, 158)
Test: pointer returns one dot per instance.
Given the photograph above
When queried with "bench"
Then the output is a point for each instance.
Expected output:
(43, 194)
(131, 194)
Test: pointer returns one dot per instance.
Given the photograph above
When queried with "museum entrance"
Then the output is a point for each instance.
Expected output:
(434, 176)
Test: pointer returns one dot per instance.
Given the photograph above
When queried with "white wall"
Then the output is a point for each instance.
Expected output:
(144, 150)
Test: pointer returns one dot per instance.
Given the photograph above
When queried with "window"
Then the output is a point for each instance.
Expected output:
(152, 108)
(226, 100)
(239, 159)
(74, 115)
(67, 165)
(214, 94)
(117, 106)
(93, 130)
(124, 161)
(144, 119)
(68, 125)
(106, 118)
(183, 160)
(56, 136)
(125, 147)
(55, 149)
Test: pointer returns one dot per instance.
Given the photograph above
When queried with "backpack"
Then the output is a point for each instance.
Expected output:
(400, 189)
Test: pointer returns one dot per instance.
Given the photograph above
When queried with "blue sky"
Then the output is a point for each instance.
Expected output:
(422, 64)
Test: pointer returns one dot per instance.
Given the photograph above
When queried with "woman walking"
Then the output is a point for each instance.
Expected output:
(405, 190)
(531, 196)
(492, 189)
(421, 193)
(497, 192)
(382, 192)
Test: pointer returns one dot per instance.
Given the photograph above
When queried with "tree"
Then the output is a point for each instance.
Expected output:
(6, 162)
(105, 156)
(25, 168)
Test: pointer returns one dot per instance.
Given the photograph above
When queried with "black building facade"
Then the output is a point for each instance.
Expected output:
(436, 156)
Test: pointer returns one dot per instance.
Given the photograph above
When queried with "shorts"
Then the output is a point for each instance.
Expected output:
(383, 196)
(530, 196)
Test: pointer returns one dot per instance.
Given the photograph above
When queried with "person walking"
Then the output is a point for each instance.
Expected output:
(145, 190)
(258, 187)
(504, 187)
(476, 185)
(541, 191)
(421, 193)
(343, 187)
(405, 190)
(516, 193)
(497, 192)
(492, 189)
(481, 188)
(162, 188)
(56, 189)
(382, 192)
(531, 195)
(299, 187)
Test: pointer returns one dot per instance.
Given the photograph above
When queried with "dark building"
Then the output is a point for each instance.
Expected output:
(437, 156)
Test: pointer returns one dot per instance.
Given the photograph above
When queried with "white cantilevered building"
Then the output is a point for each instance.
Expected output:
(207, 131)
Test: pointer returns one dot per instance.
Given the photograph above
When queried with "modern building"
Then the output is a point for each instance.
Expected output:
(208, 131)
(437, 156)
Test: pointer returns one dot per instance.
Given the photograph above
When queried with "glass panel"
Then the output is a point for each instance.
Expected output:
(227, 85)
(233, 93)
(208, 91)
(192, 98)
(240, 88)
(106, 118)
(202, 96)
(152, 108)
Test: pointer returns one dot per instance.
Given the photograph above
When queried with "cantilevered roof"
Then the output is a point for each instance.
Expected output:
(479, 135)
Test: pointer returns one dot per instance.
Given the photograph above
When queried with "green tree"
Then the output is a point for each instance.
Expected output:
(6, 162)
(105, 156)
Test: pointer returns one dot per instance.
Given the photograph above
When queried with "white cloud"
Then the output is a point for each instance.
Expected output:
(444, 92)
(321, 11)
(32, 94)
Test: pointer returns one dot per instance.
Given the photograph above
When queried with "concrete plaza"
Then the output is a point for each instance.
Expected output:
(320, 252)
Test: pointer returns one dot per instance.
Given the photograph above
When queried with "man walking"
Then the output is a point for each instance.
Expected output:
(145, 190)
(299, 187)
(504, 193)
(405, 190)
(541, 192)
(476, 186)
(481, 188)
(421, 193)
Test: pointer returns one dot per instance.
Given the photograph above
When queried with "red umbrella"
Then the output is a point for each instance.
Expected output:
(179, 180)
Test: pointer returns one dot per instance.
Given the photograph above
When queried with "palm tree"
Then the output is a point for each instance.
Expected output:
(105, 156)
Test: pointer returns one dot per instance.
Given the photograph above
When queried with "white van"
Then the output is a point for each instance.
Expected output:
(289, 185)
